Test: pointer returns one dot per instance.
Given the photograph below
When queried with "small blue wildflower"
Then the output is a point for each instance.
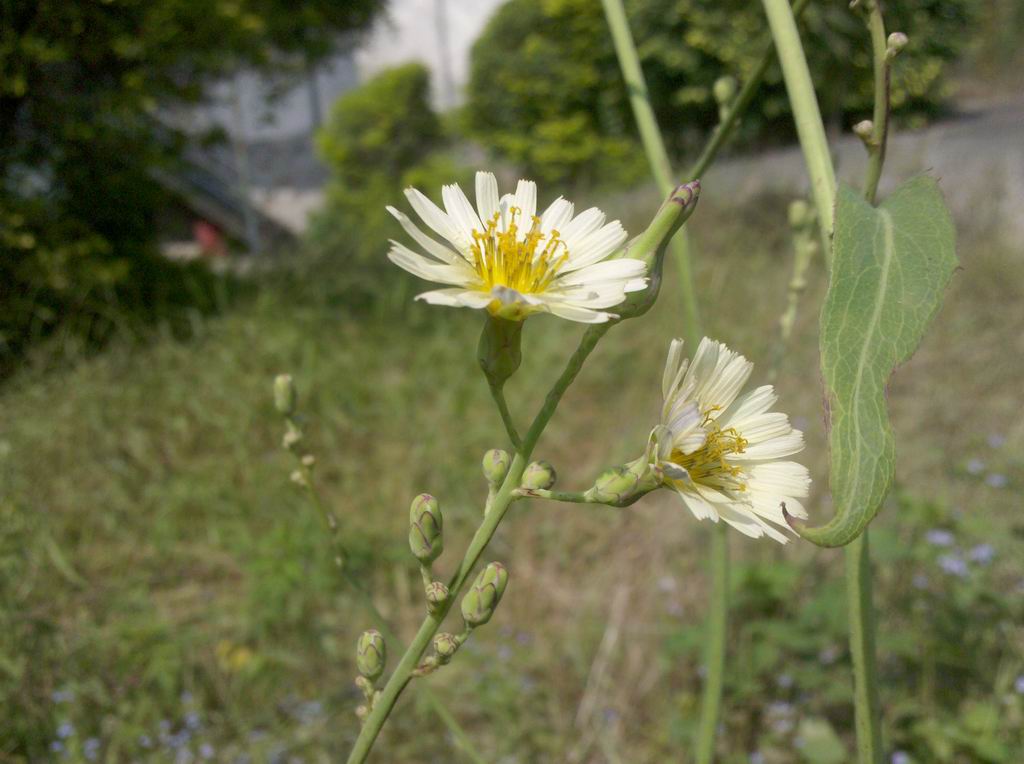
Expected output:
(982, 554)
(180, 739)
(953, 564)
(785, 681)
(91, 748)
(1019, 685)
(145, 741)
(65, 730)
(186, 698)
(610, 715)
(996, 480)
(757, 758)
(193, 720)
(975, 466)
(524, 637)
(900, 757)
(206, 751)
(62, 696)
(829, 655)
(57, 747)
(996, 440)
(939, 537)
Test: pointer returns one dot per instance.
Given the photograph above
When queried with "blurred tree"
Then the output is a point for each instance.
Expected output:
(379, 138)
(545, 89)
(80, 82)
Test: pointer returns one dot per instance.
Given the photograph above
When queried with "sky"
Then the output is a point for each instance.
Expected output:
(411, 32)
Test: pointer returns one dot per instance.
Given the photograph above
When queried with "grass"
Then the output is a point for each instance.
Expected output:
(163, 587)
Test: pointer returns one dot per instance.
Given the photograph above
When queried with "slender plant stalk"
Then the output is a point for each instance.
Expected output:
(739, 104)
(860, 605)
(809, 126)
(819, 162)
(657, 156)
(498, 393)
(714, 664)
(861, 615)
(364, 599)
(502, 500)
(880, 121)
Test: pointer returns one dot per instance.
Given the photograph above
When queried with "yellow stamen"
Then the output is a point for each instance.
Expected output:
(528, 266)
(707, 465)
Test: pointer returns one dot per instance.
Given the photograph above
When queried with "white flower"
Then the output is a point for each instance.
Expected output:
(722, 452)
(504, 257)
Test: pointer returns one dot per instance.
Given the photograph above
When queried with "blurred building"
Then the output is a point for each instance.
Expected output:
(251, 168)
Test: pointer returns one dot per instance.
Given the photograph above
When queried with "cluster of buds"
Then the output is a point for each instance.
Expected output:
(478, 606)
(286, 403)
(426, 542)
(371, 657)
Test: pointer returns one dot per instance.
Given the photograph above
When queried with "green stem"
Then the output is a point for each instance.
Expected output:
(657, 156)
(862, 650)
(503, 499)
(880, 117)
(819, 163)
(739, 104)
(860, 607)
(806, 114)
(364, 598)
(715, 634)
(498, 393)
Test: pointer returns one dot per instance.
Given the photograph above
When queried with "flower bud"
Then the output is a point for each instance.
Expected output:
(445, 646)
(495, 464)
(309, 461)
(623, 485)
(291, 439)
(539, 475)
(484, 595)
(800, 213)
(284, 394)
(864, 129)
(371, 654)
(724, 90)
(651, 245)
(437, 595)
(425, 528)
(896, 42)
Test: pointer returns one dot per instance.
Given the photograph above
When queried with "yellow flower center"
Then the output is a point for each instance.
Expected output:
(528, 266)
(708, 465)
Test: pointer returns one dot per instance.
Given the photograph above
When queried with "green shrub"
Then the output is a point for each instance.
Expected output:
(81, 84)
(380, 138)
(545, 89)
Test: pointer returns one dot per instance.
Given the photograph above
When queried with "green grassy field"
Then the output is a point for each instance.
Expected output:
(164, 588)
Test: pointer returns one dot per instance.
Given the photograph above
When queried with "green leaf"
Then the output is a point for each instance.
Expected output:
(891, 267)
(820, 743)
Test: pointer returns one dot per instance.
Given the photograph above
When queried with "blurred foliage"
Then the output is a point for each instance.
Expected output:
(949, 644)
(380, 138)
(81, 85)
(546, 92)
(164, 587)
